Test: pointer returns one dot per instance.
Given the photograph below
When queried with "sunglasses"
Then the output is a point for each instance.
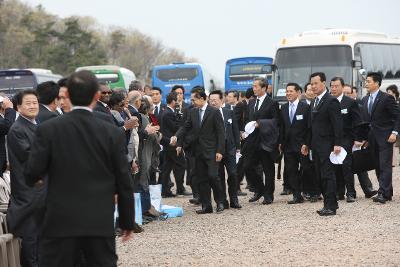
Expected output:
(106, 93)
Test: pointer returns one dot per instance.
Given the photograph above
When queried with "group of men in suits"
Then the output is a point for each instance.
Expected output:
(56, 219)
(333, 122)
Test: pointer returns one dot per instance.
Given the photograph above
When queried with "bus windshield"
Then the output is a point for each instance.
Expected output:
(9, 84)
(107, 77)
(297, 64)
(177, 74)
(248, 71)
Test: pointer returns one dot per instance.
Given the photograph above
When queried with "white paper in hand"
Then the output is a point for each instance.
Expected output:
(339, 158)
(250, 127)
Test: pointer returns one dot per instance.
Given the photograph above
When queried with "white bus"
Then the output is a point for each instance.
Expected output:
(336, 52)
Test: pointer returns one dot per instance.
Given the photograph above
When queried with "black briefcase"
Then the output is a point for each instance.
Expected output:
(363, 160)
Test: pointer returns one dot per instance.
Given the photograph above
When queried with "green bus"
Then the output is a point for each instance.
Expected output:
(114, 76)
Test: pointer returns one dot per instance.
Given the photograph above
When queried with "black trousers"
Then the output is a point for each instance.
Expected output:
(384, 156)
(64, 251)
(207, 177)
(311, 184)
(228, 161)
(326, 174)
(251, 161)
(29, 251)
(292, 172)
(365, 182)
(345, 176)
(175, 163)
(191, 173)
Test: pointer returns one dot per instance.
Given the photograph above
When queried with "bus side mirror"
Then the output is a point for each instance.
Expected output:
(363, 74)
(274, 67)
(356, 64)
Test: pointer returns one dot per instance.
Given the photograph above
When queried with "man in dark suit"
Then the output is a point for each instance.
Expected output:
(363, 177)
(293, 135)
(260, 109)
(169, 126)
(351, 117)
(204, 129)
(381, 111)
(22, 214)
(84, 157)
(159, 107)
(48, 94)
(6, 121)
(326, 136)
(232, 146)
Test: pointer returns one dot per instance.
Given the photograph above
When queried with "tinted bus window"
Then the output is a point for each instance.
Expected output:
(177, 74)
(107, 77)
(11, 84)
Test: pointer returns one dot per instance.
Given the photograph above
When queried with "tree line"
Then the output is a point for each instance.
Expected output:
(30, 37)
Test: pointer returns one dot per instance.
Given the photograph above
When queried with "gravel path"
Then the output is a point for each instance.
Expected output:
(363, 234)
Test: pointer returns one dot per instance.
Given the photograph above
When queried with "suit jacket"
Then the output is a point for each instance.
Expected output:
(232, 135)
(5, 124)
(326, 125)
(170, 124)
(351, 116)
(85, 159)
(205, 138)
(384, 118)
(141, 132)
(240, 111)
(269, 109)
(25, 201)
(294, 135)
(45, 114)
(161, 111)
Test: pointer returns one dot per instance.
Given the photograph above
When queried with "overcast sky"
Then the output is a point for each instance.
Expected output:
(215, 30)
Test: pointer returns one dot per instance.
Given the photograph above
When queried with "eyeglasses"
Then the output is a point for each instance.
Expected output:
(106, 93)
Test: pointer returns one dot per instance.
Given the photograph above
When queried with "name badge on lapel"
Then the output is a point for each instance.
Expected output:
(230, 121)
(299, 117)
(344, 111)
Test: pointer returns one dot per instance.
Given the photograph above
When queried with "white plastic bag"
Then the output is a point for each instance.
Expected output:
(155, 196)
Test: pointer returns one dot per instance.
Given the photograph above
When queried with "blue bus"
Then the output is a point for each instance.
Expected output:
(188, 75)
(240, 72)
(14, 80)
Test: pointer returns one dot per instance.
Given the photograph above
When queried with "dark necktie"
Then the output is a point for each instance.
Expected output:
(257, 103)
(156, 111)
(370, 104)
(316, 103)
(200, 115)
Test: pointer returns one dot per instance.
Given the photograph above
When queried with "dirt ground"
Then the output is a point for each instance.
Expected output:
(361, 234)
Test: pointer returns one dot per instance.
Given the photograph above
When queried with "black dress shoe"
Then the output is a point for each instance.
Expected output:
(285, 192)
(235, 204)
(379, 198)
(313, 199)
(241, 193)
(256, 197)
(167, 195)
(306, 196)
(184, 193)
(371, 193)
(340, 197)
(137, 228)
(226, 204)
(267, 201)
(220, 207)
(326, 212)
(350, 199)
(204, 211)
(194, 201)
(296, 200)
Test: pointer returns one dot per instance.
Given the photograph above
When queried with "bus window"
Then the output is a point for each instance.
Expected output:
(177, 74)
(248, 71)
(297, 64)
(107, 77)
(11, 84)
(382, 58)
